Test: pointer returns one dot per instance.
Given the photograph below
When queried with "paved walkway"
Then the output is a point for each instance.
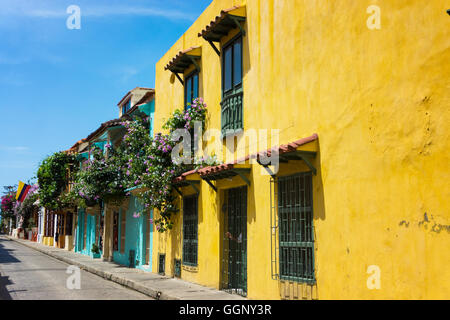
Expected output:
(27, 274)
(151, 284)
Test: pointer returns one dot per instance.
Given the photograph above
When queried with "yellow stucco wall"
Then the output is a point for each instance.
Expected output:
(379, 101)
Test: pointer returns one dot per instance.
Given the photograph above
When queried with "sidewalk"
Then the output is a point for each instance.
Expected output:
(154, 285)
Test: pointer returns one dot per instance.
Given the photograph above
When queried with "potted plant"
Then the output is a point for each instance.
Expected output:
(95, 251)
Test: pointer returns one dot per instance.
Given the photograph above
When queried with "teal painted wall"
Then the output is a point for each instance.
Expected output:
(149, 110)
(91, 224)
(135, 231)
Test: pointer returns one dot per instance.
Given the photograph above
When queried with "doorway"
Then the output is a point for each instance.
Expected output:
(234, 255)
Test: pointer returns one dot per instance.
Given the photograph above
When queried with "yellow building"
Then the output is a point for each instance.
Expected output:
(359, 91)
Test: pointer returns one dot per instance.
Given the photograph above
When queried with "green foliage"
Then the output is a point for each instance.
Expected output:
(153, 167)
(185, 119)
(95, 249)
(100, 179)
(53, 178)
(27, 207)
(140, 161)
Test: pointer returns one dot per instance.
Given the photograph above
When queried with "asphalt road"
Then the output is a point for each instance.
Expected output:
(26, 274)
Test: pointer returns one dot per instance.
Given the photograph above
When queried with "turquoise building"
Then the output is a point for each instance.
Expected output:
(136, 230)
(128, 231)
(89, 226)
(132, 228)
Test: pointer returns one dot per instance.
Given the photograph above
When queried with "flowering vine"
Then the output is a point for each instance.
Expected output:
(7, 205)
(53, 179)
(101, 178)
(25, 209)
(141, 161)
(153, 167)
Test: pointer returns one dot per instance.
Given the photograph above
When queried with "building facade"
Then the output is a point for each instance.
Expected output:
(356, 208)
(114, 228)
(130, 231)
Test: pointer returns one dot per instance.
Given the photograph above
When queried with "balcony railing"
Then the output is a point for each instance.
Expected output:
(232, 112)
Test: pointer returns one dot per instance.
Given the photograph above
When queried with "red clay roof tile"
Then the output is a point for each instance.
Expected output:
(228, 166)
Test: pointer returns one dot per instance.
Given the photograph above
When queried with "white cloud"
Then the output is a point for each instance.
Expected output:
(28, 10)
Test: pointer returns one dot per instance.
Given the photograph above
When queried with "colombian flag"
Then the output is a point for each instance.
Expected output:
(22, 191)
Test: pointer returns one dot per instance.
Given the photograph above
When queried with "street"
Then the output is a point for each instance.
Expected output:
(26, 274)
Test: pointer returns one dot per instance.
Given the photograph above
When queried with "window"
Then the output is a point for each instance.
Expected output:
(227, 66)
(232, 90)
(190, 89)
(190, 231)
(295, 219)
(126, 106)
(232, 66)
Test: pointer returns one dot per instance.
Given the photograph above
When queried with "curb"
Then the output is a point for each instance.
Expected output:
(130, 284)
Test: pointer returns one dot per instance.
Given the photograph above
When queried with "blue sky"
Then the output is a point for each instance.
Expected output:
(58, 85)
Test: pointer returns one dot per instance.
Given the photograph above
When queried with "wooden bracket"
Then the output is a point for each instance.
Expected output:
(193, 185)
(266, 167)
(194, 61)
(214, 47)
(304, 156)
(178, 77)
(238, 24)
(241, 172)
(178, 190)
(210, 184)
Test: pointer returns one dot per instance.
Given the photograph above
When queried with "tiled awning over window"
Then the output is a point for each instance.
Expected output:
(287, 152)
(222, 171)
(212, 173)
(184, 59)
(227, 20)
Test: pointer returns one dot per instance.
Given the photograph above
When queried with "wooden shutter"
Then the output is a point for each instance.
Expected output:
(123, 220)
